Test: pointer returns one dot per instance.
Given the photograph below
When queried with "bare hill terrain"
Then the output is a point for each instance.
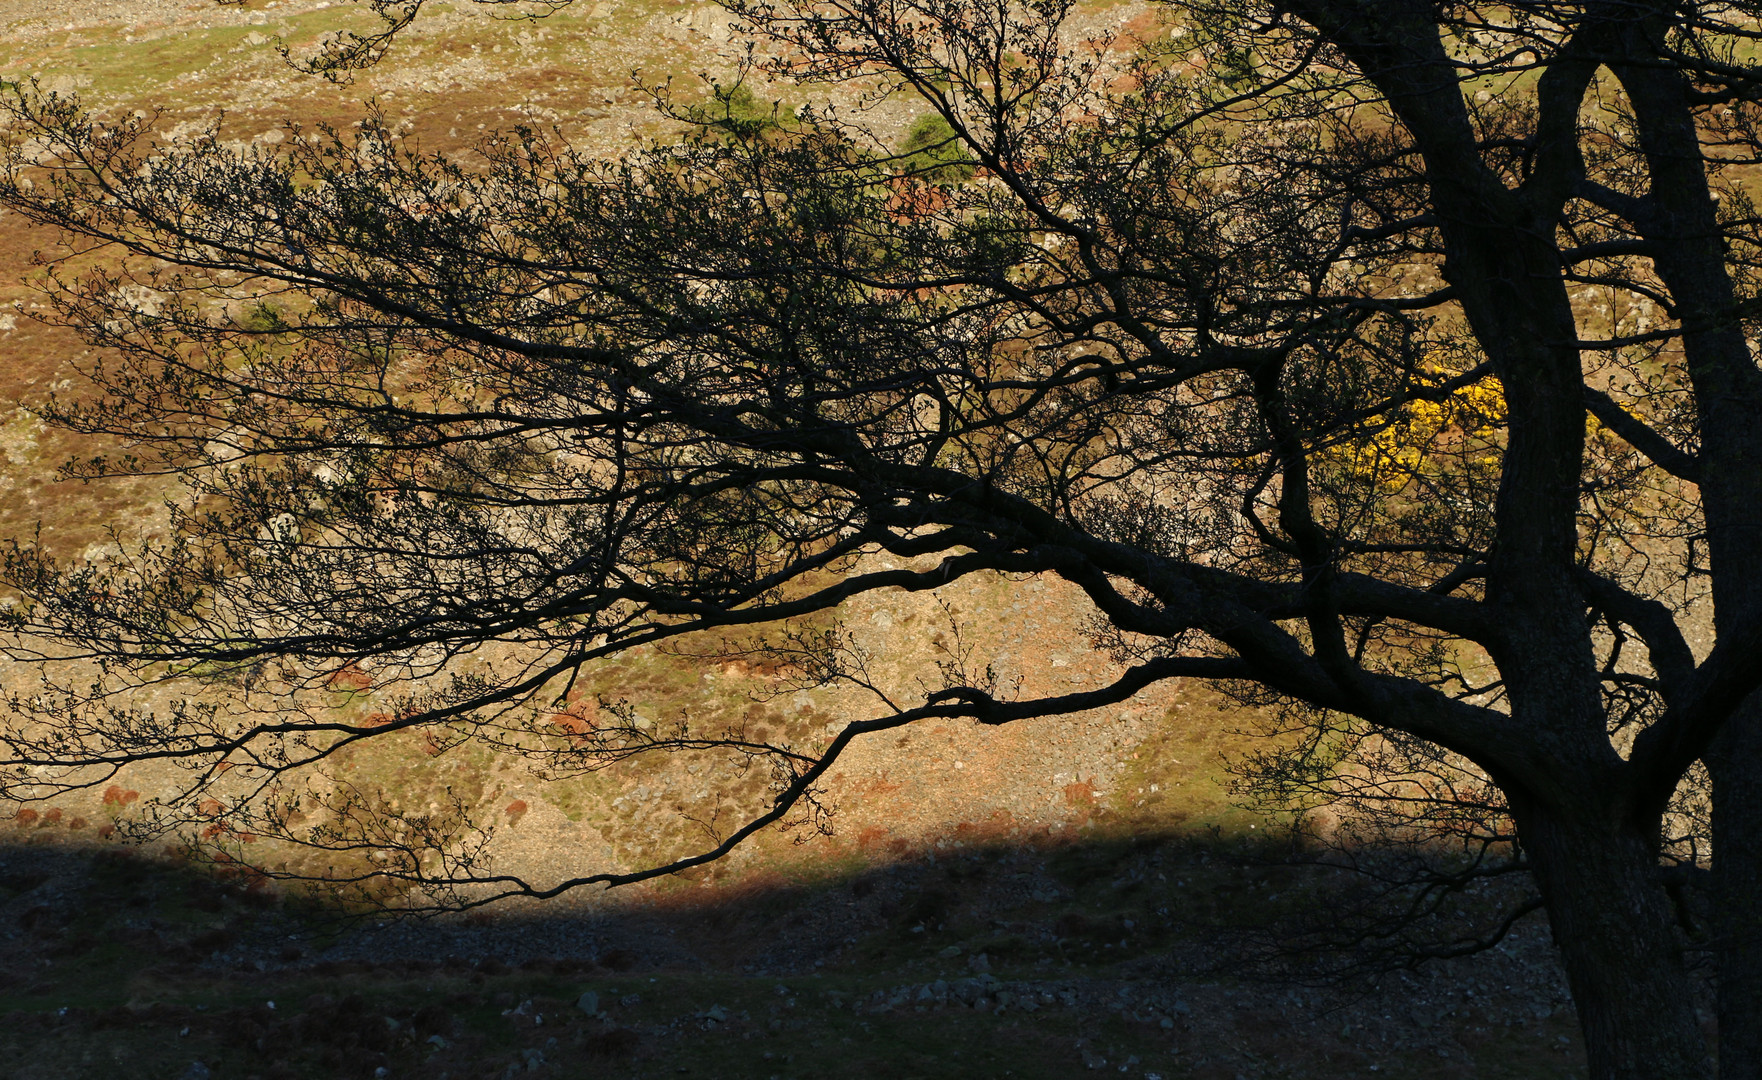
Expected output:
(1044, 899)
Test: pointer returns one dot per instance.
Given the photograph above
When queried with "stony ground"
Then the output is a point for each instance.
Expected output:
(999, 962)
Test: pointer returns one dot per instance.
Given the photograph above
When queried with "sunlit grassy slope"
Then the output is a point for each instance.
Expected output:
(587, 71)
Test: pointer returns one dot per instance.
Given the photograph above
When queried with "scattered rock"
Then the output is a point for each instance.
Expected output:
(589, 1003)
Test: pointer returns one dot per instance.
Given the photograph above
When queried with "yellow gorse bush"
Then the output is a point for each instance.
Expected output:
(1424, 439)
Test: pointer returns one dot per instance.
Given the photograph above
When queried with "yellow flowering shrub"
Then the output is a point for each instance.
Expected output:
(1425, 438)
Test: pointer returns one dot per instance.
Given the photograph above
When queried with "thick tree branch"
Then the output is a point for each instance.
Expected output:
(1642, 437)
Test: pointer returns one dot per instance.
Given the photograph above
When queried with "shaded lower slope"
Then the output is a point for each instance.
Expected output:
(1018, 962)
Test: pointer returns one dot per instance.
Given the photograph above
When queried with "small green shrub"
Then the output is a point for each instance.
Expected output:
(263, 318)
(933, 152)
(735, 111)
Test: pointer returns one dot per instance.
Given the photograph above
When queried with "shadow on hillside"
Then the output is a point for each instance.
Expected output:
(1151, 956)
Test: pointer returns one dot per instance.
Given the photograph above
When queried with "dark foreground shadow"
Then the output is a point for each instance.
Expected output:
(1144, 959)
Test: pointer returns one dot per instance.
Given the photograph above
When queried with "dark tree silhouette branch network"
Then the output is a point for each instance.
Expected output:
(1387, 362)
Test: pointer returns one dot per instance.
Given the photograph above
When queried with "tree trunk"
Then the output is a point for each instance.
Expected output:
(1735, 764)
(1691, 256)
(1617, 938)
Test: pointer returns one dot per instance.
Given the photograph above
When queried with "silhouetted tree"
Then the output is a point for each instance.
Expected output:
(1387, 359)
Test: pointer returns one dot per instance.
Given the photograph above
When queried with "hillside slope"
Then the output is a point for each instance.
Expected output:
(1016, 835)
